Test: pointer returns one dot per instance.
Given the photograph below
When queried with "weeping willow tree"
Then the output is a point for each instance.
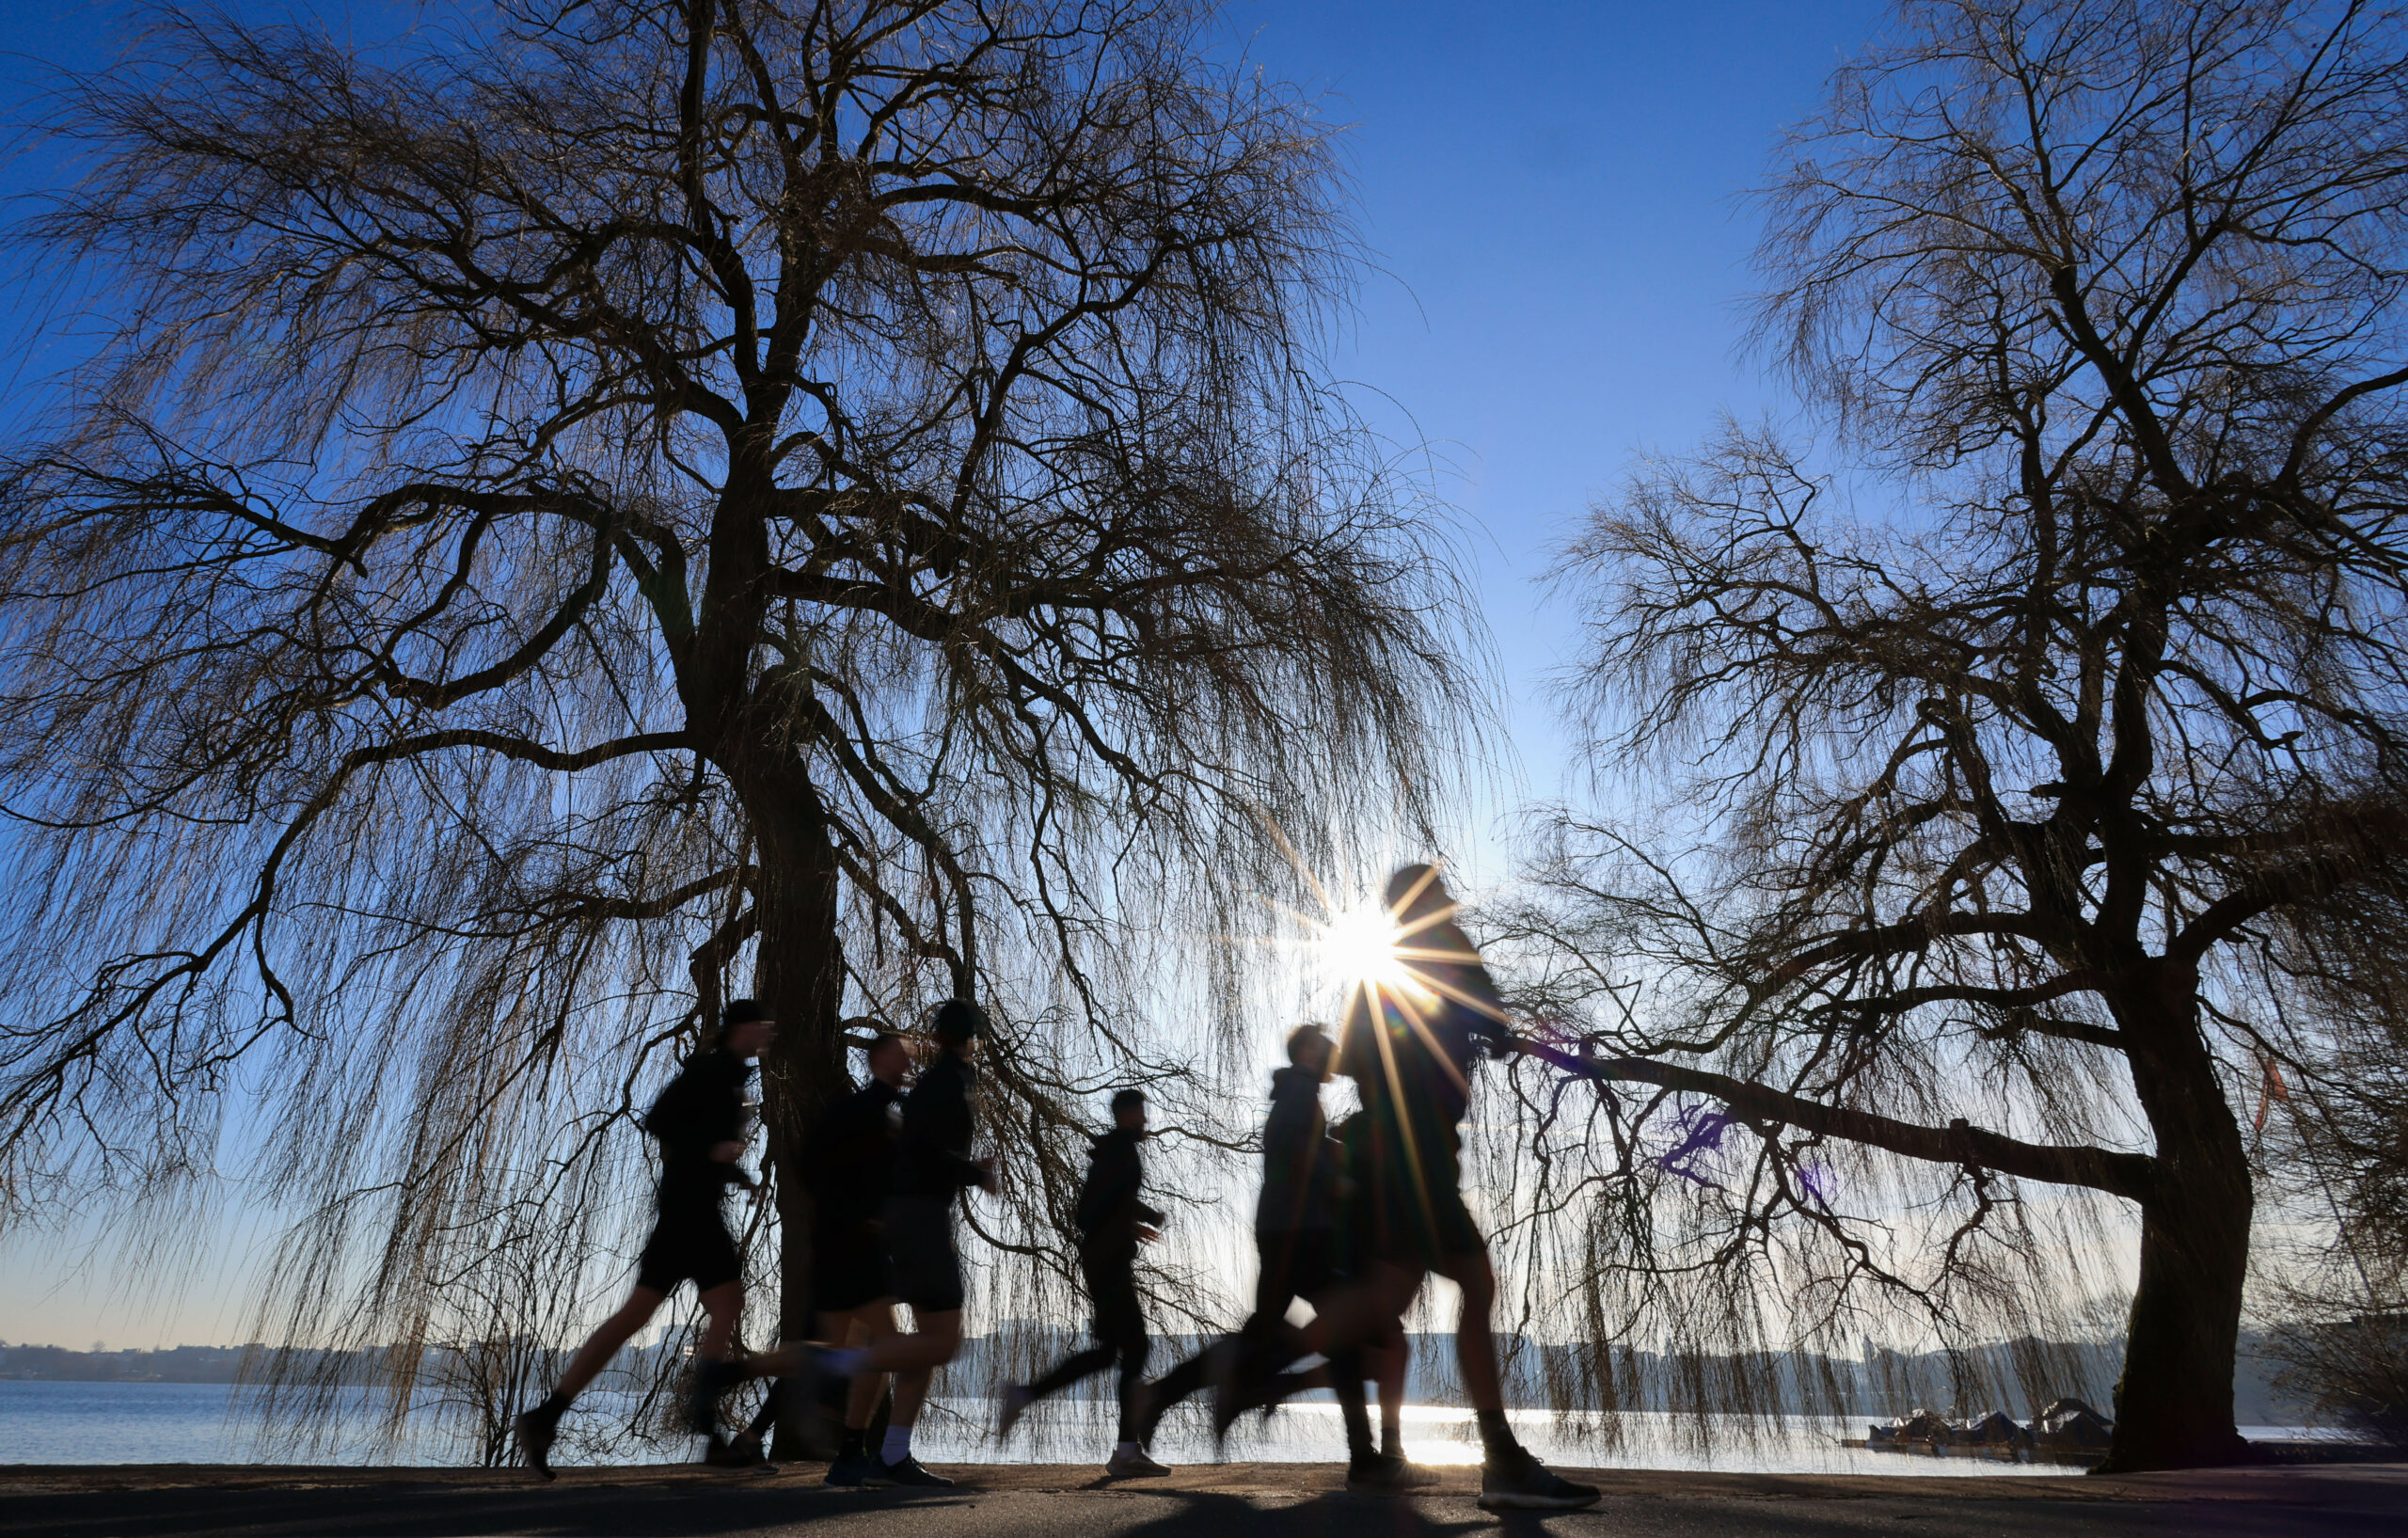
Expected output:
(2039, 796)
(610, 505)
(2337, 1149)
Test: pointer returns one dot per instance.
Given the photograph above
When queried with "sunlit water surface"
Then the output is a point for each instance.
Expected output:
(53, 1422)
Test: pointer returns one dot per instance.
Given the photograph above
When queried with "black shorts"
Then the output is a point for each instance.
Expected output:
(1413, 1217)
(1112, 1286)
(1297, 1263)
(919, 1247)
(849, 1268)
(689, 1242)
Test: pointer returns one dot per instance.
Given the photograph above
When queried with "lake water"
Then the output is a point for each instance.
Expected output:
(172, 1422)
(55, 1422)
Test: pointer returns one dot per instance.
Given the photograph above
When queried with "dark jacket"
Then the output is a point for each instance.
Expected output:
(933, 1157)
(1470, 1018)
(848, 1159)
(1110, 1207)
(703, 1107)
(1299, 1160)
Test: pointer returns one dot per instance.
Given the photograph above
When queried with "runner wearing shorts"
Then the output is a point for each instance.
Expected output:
(1410, 1050)
(1113, 1220)
(933, 1165)
(1296, 1239)
(701, 1124)
(850, 1159)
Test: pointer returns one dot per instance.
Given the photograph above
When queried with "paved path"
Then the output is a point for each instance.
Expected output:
(1231, 1500)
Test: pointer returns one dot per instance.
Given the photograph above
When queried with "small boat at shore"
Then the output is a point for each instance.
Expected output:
(2067, 1432)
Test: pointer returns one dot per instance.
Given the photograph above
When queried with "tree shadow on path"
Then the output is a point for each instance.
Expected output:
(796, 1503)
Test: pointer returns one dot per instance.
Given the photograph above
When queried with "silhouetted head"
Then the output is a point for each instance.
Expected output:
(958, 1024)
(1129, 1110)
(746, 1027)
(1416, 893)
(889, 1059)
(1309, 1048)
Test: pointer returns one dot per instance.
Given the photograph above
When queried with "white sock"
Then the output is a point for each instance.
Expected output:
(899, 1445)
(1125, 1450)
(844, 1361)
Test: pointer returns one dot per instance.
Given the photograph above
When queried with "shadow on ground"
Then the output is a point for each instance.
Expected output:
(1237, 1501)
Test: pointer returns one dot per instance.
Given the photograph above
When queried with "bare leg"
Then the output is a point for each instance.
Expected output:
(1368, 1310)
(910, 1392)
(1388, 1364)
(935, 1344)
(864, 1326)
(721, 1307)
(861, 1326)
(713, 1374)
(1475, 1346)
(604, 1343)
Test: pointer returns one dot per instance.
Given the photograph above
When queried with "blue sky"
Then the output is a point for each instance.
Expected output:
(1553, 195)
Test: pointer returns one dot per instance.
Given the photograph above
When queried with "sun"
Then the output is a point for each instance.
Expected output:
(1359, 945)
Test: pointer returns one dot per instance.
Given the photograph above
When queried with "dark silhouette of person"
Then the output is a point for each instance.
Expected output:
(932, 1165)
(1296, 1238)
(1113, 1219)
(849, 1160)
(1410, 1047)
(700, 1121)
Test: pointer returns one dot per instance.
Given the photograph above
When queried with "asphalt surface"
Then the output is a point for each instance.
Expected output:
(1225, 1501)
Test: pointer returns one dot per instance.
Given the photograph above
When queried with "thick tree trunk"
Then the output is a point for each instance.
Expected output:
(800, 971)
(2174, 1401)
(801, 976)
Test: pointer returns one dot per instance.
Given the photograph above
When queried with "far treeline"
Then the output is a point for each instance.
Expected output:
(563, 520)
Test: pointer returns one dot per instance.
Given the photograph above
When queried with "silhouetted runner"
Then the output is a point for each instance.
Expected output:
(933, 1165)
(851, 1160)
(699, 1122)
(1409, 1050)
(1113, 1219)
(1295, 1234)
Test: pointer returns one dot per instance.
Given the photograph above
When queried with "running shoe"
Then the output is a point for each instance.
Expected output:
(712, 1381)
(535, 1430)
(1526, 1485)
(909, 1473)
(1010, 1406)
(849, 1473)
(719, 1452)
(1134, 1466)
(1388, 1475)
(745, 1451)
(1237, 1387)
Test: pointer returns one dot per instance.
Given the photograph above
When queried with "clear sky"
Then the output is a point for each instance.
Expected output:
(1553, 194)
